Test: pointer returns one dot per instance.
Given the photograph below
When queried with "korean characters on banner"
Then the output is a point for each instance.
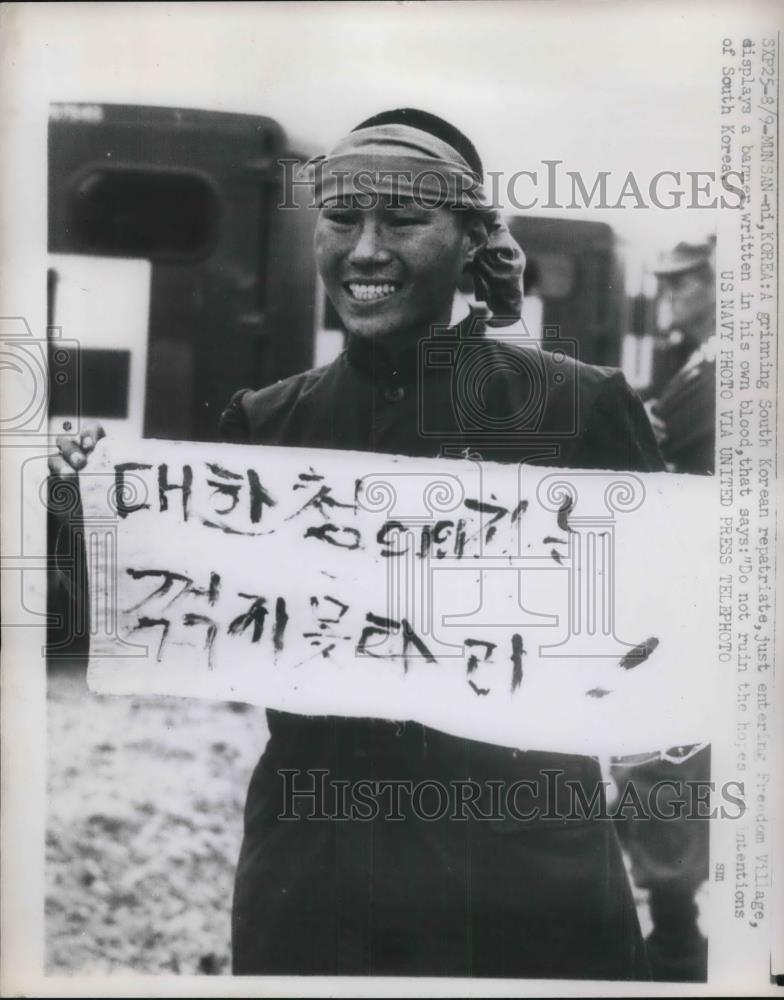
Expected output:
(526, 607)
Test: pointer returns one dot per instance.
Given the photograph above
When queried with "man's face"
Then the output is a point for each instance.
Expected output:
(687, 298)
(391, 271)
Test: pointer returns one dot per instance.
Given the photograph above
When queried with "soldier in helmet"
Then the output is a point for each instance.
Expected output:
(683, 415)
(669, 858)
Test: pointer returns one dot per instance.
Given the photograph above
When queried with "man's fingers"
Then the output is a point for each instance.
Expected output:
(71, 451)
(60, 468)
(74, 450)
(90, 436)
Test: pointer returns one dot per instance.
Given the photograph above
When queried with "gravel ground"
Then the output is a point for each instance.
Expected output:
(144, 827)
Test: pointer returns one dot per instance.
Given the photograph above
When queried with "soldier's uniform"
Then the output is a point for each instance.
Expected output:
(687, 403)
(670, 857)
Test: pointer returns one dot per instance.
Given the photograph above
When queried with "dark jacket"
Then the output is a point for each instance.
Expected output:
(687, 406)
(461, 897)
(496, 399)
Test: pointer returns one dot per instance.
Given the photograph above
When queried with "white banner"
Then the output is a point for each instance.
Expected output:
(532, 608)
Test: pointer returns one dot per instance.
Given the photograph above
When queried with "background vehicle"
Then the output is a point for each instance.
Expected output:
(177, 277)
(573, 267)
(192, 195)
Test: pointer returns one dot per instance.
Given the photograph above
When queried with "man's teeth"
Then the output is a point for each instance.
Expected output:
(368, 292)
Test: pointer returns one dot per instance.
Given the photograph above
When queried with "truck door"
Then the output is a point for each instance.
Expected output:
(172, 213)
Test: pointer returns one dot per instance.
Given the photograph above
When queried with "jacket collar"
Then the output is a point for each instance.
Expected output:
(380, 364)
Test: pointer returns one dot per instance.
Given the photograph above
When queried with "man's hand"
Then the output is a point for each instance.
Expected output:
(73, 451)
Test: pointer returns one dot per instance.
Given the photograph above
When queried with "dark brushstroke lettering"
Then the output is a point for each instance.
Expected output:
(230, 490)
(281, 620)
(164, 623)
(164, 487)
(377, 626)
(563, 514)
(473, 661)
(410, 638)
(120, 486)
(325, 532)
(487, 508)
(639, 654)
(211, 592)
(227, 530)
(519, 510)
(307, 477)
(387, 528)
(518, 650)
(212, 628)
(460, 538)
(323, 498)
(441, 531)
(343, 609)
(259, 497)
(253, 617)
(168, 581)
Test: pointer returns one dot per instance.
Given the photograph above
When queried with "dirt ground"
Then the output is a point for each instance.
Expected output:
(144, 827)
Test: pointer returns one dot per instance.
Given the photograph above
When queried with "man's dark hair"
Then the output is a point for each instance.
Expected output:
(436, 126)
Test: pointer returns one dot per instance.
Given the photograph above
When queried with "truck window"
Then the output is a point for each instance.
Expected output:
(137, 212)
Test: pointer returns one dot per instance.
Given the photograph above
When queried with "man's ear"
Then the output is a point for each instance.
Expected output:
(475, 236)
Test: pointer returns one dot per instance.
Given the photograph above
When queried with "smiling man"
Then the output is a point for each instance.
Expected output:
(392, 268)
(486, 892)
(404, 895)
